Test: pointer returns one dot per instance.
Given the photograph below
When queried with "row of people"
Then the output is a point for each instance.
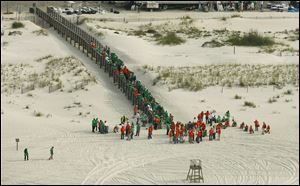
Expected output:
(265, 128)
(100, 124)
(178, 131)
(155, 112)
(129, 130)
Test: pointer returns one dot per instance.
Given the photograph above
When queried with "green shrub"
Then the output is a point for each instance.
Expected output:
(250, 39)
(40, 32)
(235, 75)
(170, 39)
(103, 19)
(269, 49)
(207, 35)
(242, 82)
(293, 38)
(186, 17)
(139, 33)
(157, 35)
(272, 100)
(29, 95)
(38, 114)
(151, 31)
(249, 104)
(156, 80)
(288, 92)
(100, 34)
(289, 49)
(186, 20)
(17, 25)
(212, 44)
(43, 58)
(8, 13)
(165, 74)
(80, 22)
(224, 18)
(235, 15)
(196, 86)
(237, 97)
(43, 83)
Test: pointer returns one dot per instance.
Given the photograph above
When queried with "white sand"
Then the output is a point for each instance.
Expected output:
(81, 157)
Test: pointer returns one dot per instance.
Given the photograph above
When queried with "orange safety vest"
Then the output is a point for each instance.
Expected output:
(93, 44)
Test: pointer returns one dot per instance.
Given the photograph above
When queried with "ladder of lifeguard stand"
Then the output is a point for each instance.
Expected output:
(196, 173)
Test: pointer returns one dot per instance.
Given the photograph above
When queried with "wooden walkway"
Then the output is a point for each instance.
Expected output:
(82, 40)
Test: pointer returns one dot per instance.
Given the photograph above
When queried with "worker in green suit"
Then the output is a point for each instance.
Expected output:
(26, 155)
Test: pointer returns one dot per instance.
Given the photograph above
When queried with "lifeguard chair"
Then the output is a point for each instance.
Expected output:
(196, 174)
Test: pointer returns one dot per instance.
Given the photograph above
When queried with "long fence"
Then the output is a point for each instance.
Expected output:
(82, 40)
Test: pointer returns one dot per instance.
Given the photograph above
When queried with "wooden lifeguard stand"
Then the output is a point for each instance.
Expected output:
(196, 173)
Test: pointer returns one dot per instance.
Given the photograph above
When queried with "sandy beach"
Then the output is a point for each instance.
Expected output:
(65, 115)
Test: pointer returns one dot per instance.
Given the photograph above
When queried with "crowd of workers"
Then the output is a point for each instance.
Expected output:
(265, 128)
(206, 124)
(100, 124)
(153, 114)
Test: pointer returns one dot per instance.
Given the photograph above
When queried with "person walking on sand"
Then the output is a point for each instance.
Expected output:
(123, 119)
(144, 119)
(264, 126)
(138, 128)
(234, 124)
(256, 123)
(246, 128)
(219, 133)
(122, 132)
(242, 125)
(176, 136)
(150, 129)
(268, 129)
(213, 133)
(251, 131)
(171, 136)
(116, 129)
(99, 125)
(135, 109)
(191, 136)
(199, 136)
(129, 130)
(206, 116)
(133, 130)
(182, 129)
(210, 137)
(137, 117)
(51, 153)
(200, 116)
(94, 124)
(26, 155)
(227, 114)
